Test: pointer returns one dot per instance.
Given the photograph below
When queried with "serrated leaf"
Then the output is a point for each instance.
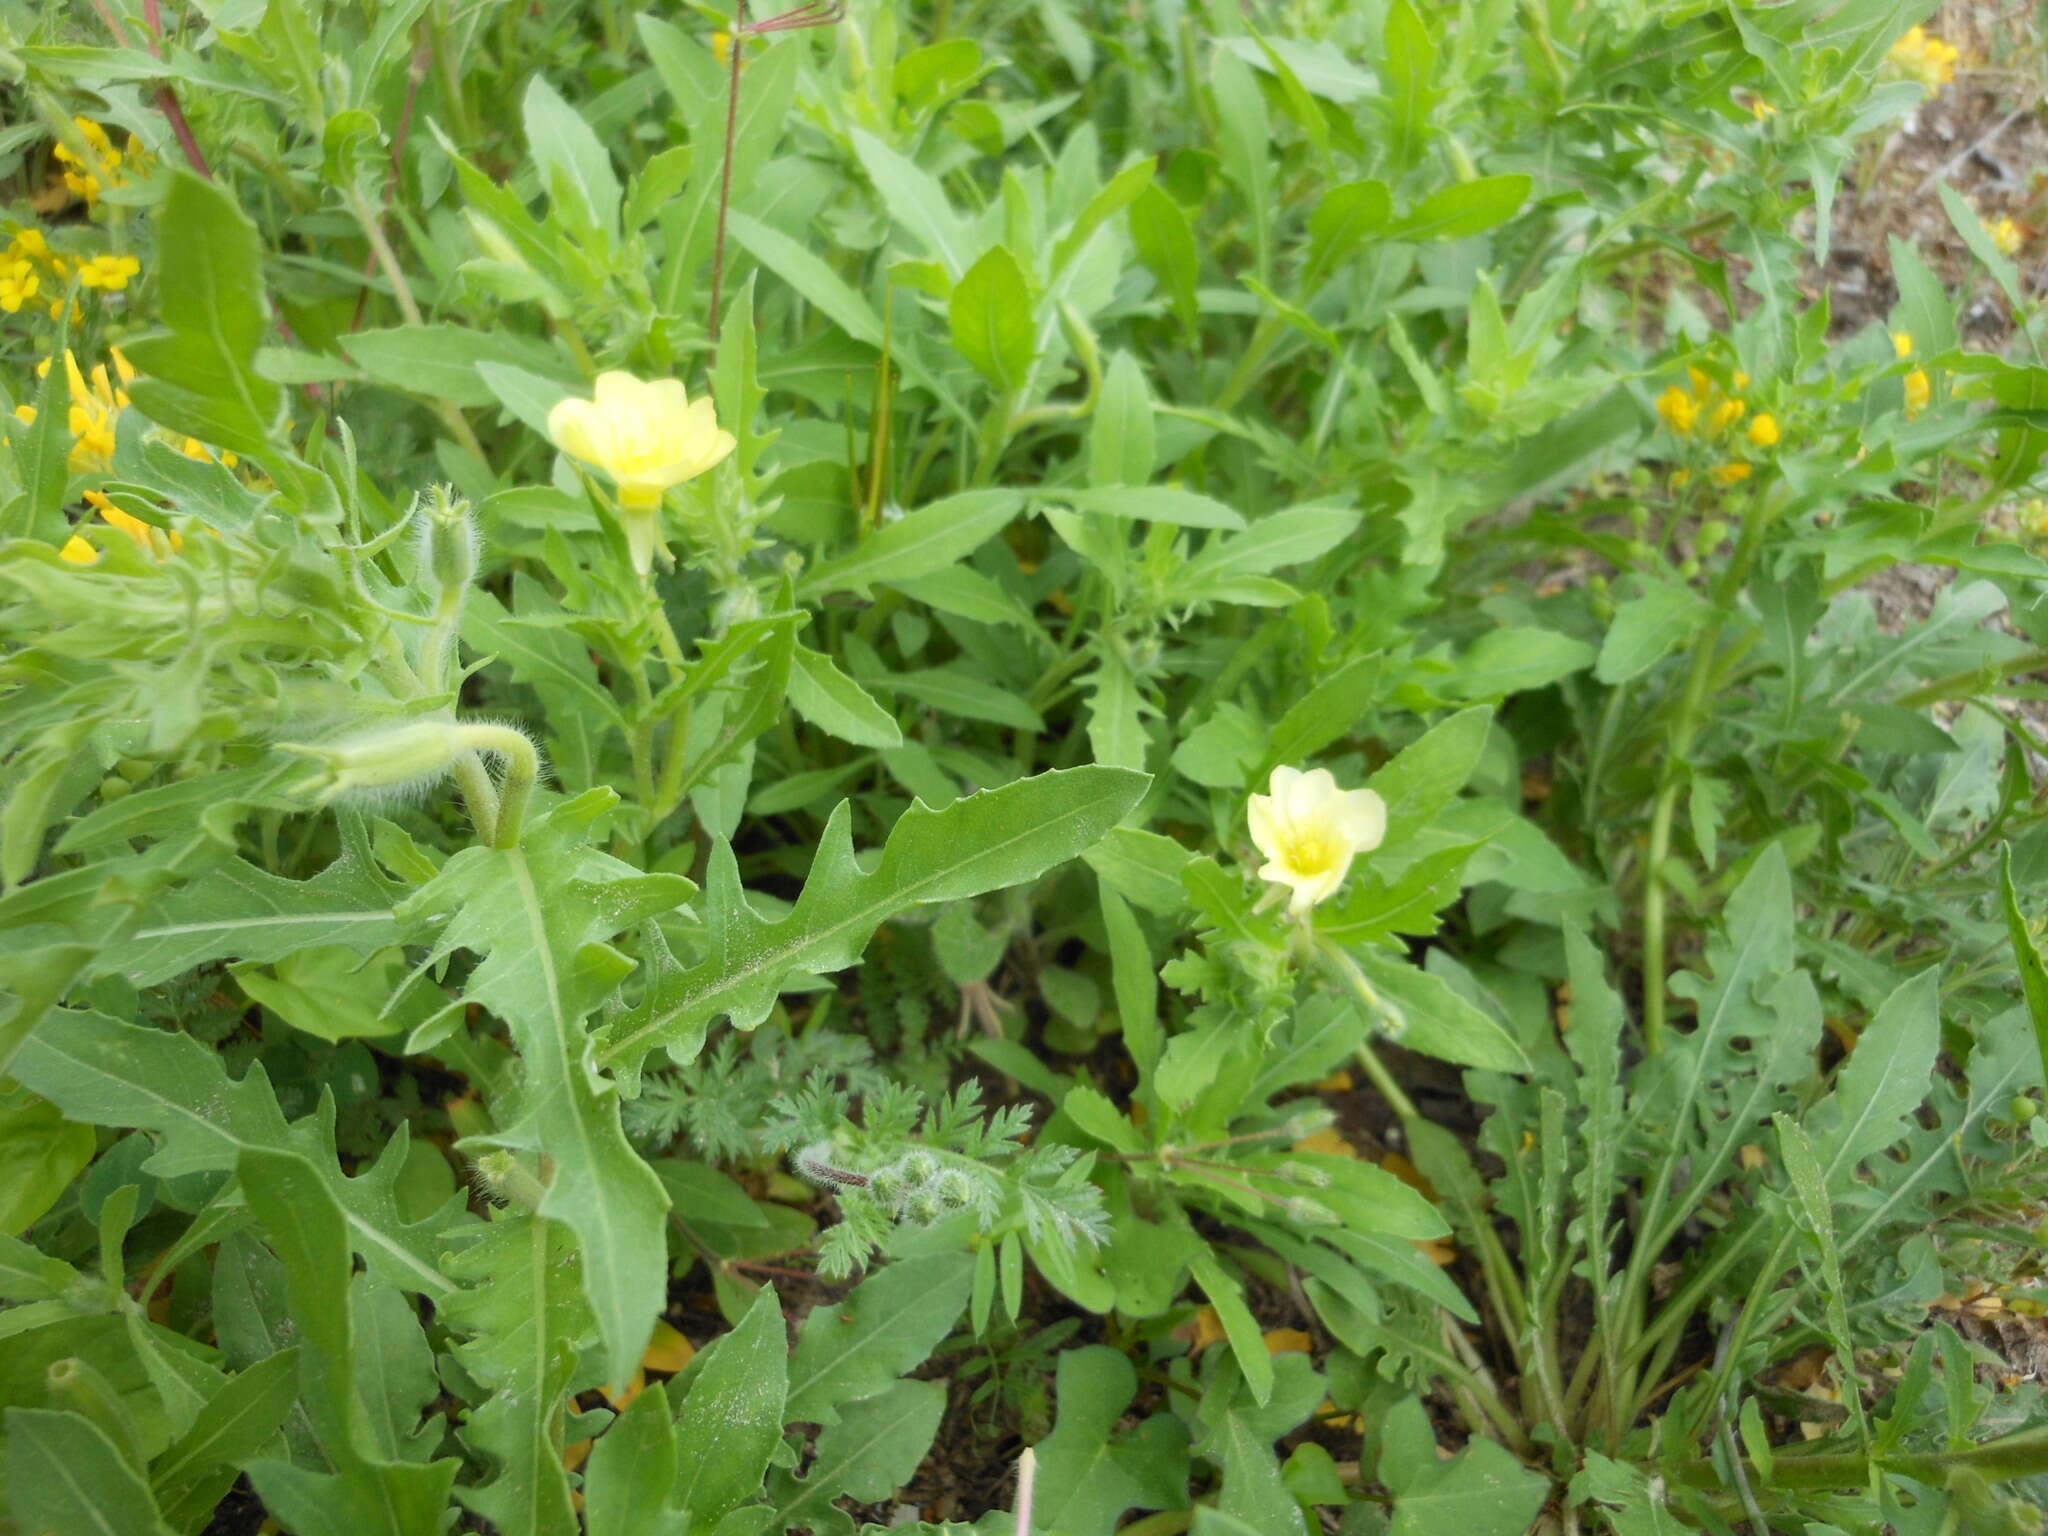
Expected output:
(490, 901)
(980, 843)
(891, 1322)
(101, 1072)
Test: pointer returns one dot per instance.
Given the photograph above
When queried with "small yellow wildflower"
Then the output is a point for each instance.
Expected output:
(1920, 56)
(149, 539)
(96, 404)
(1763, 431)
(1919, 391)
(108, 272)
(1733, 473)
(2006, 236)
(1680, 479)
(83, 173)
(1680, 411)
(645, 436)
(1760, 109)
(78, 552)
(29, 244)
(1310, 831)
(1726, 414)
(18, 284)
(1902, 344)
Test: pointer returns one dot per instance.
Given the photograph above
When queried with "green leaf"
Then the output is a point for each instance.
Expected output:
(892, 1321)
(1116, 729)
(490, 901)
(65, 1476)
(1150, 503)
(1482, 1491)
(238, 911)
(524, 1321)
(1247, 1342)
(980, 843)
(920, 543)
(834, 702)
(439, 360)
(631, 1470)
(1648, 627)
(1142, 867)
(917, 202)
(574, 164)
(2032, 967)
(1165, 243)
(1463, 209)
(1122, 446)
(1089, 1472)
(1407, 67)
(1323, 715)
(815, 282)
(1294, 536)
(202, 377)
(333, 994)
(191, 1477)
(1882, 1083)
(40, 1154)
(366, 1494)
(1437, 1020)
(1424, 777)
(731, 1421)
(955, 691)
(993, 320)
(1970, 225)
(866, 1455)
(1516, 660)
(1245, 139)
(100, 1072)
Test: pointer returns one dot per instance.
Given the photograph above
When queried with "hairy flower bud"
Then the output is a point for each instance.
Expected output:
(448, 546)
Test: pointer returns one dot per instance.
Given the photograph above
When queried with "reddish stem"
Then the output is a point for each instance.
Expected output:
(732, 133)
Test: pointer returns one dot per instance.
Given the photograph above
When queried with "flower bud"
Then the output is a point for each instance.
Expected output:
(388, 761)
(448, 546)
(502, 1178)
(1305, 1212)
(924, 1207)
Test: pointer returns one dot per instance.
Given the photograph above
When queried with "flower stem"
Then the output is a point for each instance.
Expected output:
(522, 770)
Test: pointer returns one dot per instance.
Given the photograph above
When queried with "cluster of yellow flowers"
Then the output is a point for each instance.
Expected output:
(1918, 55)
(1919, 387)
(1706, 413)
(28, 261)
(102, 166)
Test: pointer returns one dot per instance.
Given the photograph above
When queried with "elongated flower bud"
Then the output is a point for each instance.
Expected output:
(448, 546)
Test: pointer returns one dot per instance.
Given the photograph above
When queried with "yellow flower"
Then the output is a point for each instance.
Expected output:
(645, 436)
(1927, 59)
(78, 552)
(83, 173)
(1902, 344)
(1680, 479)
(95, 406)
(29, 244)
(108, 272)
(1680, 411)
(18, 284)
(150, 540)
(1763, 431)
(1732, 473)
(1310, 831)
(1761, 109)
(2006, 236)
(1919, 391)
(1726, 414)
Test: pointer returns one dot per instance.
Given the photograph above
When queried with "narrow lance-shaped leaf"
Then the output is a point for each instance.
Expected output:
(981, 843)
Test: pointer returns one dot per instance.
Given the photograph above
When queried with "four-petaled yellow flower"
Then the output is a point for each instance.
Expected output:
(18, 284)
(1310, 831)
(1920, 56)
(645, 436)
(108, 272)
(1680, 411)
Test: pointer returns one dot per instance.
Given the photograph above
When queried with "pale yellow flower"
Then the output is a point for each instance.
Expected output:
(2006, 236)
(1310, 831)
(645, 437)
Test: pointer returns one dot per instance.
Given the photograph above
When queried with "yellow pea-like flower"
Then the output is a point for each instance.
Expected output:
(1726, 414)
(1310, 831)
(1681, 412)
(1763, 431)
